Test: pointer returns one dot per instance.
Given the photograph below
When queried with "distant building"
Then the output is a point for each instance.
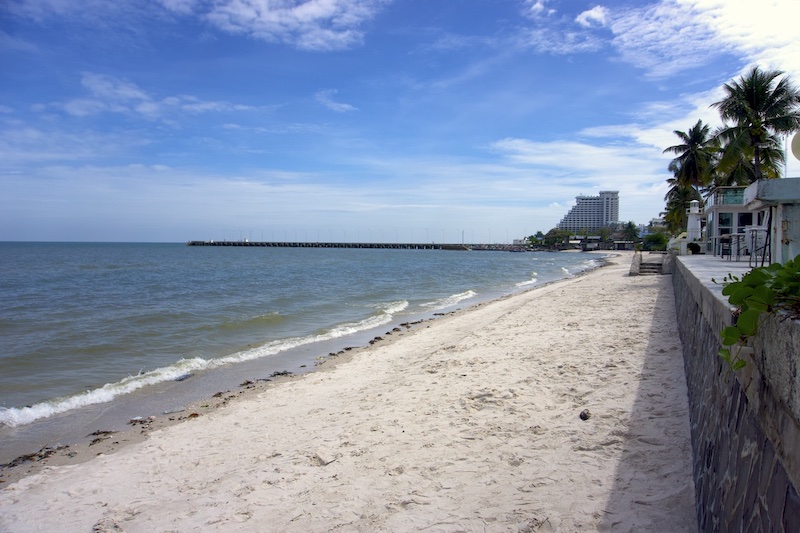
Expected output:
(592, 212)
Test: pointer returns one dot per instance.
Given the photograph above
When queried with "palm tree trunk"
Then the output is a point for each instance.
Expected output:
(757, 161)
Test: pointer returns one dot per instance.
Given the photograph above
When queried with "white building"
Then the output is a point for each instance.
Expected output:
(592, 212)
(775, 235)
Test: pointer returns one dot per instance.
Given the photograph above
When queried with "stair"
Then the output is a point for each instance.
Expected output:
(646, 269)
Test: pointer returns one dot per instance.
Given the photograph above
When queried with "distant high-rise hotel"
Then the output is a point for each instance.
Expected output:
(592, 212)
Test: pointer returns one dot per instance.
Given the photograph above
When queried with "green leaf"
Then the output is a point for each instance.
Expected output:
(757, 276)
(725, 354)
(740, 363)
(731, 335)
(748, 322)
(764, 294)
(740, 294)
(728, 289)
(760, 300)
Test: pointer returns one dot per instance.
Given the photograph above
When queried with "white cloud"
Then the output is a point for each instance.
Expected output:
(310, 24)
(559, 41)
(9, 42)
(83, 107)
(109, 94)
(450, 41)
(537, 8)
(676, 35)
(663, 39)
(325, 98)
(767, 32)
(23, 145)
(637, 170)
(183, 7)
(111, 88)
(586, 161)
(41, 9)
(595, 17)
(306, 24)
(99, 15)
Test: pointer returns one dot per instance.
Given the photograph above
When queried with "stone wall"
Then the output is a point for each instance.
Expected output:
(745, 430)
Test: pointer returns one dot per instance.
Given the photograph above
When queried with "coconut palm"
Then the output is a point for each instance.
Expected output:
(678, 198)
(696, 156)
(738, 168)
(758, 106)
(630, 232)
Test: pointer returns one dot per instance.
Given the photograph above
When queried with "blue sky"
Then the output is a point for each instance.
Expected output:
(370, 120)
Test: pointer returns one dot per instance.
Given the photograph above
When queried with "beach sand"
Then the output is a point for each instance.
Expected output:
(471, 422)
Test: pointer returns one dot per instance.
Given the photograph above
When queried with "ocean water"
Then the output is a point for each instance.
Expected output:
(90, 324)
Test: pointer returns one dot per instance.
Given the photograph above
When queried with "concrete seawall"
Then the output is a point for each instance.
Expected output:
(745, 426)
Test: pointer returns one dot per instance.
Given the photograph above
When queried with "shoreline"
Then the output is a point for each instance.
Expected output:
(560, 408)
(109, 440)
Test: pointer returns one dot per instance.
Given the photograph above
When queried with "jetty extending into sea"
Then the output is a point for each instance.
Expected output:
(385, 245)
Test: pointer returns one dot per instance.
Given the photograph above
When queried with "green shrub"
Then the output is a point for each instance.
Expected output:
(656, 242)
(763, 290)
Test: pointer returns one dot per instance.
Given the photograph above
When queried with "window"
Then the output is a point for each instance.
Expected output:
(725, 223)
(745, 219)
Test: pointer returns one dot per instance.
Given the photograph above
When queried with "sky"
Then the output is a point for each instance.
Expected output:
(356, 120)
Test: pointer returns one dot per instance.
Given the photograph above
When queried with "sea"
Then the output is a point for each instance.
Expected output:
(95, 334)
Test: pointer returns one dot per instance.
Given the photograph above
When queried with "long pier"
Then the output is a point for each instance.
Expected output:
(384, 245)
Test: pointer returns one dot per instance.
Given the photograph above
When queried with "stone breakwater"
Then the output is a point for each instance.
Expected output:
(745, 426)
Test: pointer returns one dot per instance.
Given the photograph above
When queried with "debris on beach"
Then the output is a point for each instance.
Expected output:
(41, 455)
(249, 384)
(585, 414)
(100, 435)
(145, 423)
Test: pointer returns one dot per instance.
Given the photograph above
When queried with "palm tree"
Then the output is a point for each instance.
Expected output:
(760, 107)
(630, 232)
(738, 168)
(678, 198)
(696, 156)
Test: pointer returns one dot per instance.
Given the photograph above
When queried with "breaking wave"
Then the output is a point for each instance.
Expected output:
(17, 416)
(449, 301)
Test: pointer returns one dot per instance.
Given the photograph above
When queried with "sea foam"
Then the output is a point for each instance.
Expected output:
(450, 301)
(532, 281)
(18, 416)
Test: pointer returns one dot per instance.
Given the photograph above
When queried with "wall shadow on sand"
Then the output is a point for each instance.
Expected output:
(653, 485)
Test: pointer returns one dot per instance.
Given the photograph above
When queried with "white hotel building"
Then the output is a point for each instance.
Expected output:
(592, 213)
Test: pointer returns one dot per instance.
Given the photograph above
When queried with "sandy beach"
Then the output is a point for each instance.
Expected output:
(563, 408)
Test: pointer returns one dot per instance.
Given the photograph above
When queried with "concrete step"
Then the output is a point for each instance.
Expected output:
(649, 268)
